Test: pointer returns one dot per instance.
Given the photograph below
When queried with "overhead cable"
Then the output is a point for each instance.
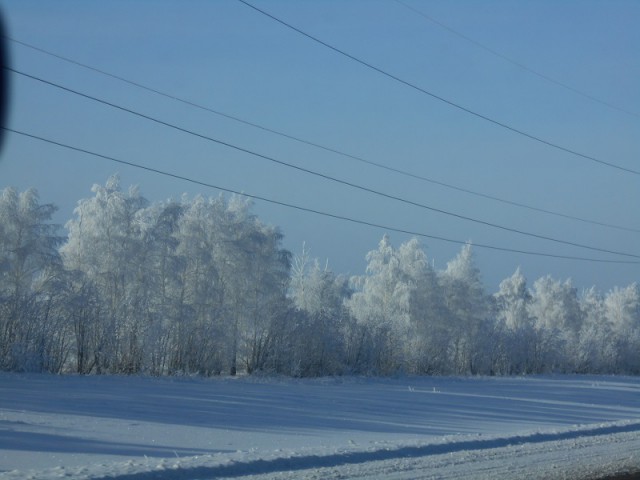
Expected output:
(325, 148)
(311, 210)
(438, 97)
(515, 62)
(318, 174)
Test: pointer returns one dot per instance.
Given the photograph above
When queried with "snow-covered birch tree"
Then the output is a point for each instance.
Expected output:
(468, 311)
(30, 284)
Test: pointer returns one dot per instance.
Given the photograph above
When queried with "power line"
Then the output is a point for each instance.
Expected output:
(309, 210)
(325, 148)
(438, 97)
(515, 62)
(317, 174)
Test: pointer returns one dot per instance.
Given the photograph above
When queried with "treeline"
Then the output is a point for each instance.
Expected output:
(202, 286)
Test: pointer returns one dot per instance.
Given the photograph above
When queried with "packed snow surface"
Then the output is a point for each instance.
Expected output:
(136, 428)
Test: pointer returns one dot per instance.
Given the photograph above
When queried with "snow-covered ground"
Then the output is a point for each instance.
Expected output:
(189, 428)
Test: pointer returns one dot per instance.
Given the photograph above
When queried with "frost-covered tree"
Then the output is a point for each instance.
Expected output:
(428, 335)
(198, 338)
(315, 288)
(512, 299)
(380, 304)
(105, 244)
(263, 277)
(623, 312)
(322, 321)
(85, 313)
(300, 292)
(400, 312)
(32, 331)
(558, 318)
(596, 349)
(556, 305)
(515, 324)
(468, 309)
(162, 285)
(623, 307)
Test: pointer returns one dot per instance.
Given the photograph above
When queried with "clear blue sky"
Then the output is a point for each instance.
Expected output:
(226, 56)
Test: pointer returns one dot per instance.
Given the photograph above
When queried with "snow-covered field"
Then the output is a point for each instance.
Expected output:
(189, 428)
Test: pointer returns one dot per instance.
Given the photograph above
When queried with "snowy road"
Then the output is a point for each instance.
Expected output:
(133, 428)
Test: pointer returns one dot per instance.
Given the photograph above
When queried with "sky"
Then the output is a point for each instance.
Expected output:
(564, 72)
